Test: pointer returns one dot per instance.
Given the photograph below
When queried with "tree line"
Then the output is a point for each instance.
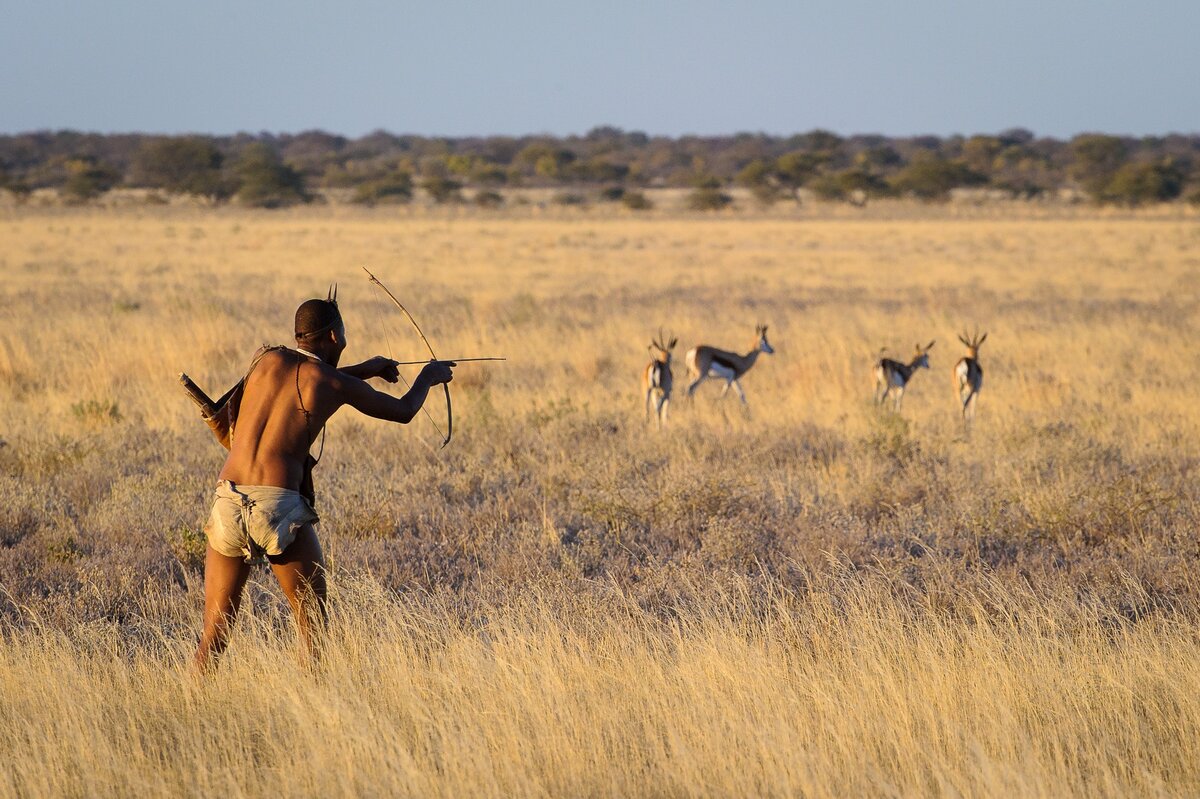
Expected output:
(607, 163)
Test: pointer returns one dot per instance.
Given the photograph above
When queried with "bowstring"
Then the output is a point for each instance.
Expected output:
(387, 340)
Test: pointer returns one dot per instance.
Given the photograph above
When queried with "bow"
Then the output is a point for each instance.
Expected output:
(428, 346)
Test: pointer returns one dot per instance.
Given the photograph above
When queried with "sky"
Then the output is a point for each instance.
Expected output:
(450, 68)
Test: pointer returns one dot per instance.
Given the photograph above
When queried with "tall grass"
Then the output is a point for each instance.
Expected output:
(850, 688)
(811, 597)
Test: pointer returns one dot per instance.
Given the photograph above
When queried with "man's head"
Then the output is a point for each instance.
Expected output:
(319, 329)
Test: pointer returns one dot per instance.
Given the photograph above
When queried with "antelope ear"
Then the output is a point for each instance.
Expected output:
(930, 345)
(674, 341)
(964, 341)
(981, 340)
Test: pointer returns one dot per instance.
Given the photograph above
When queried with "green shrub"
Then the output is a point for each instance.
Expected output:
(87, 179)
(265, 181)
(442, 189)
(636, 201)
(96, 411)
(394, 188)
(851, 185)
(1137, 183)
(932, 178)
(188, 545)
(708, 199)
(489, 199)
(188, 165)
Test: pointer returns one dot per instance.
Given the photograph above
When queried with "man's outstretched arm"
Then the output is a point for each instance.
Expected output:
(366, 400)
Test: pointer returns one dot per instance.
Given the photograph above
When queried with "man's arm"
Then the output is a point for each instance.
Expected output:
(366, 400)
(378, 366)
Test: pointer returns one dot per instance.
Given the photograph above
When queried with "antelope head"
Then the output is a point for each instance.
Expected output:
(762, 345)
(921, 355)
(972, 343)
(661, 351)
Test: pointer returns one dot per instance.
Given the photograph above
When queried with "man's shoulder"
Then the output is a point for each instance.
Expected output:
(267, 353)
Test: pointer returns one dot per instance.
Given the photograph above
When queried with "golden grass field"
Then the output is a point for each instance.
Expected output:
(815, 598)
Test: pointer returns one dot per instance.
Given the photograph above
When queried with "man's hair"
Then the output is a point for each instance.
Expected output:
(315, 317)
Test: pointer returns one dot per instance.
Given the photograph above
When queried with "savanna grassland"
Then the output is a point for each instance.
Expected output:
(812, 598)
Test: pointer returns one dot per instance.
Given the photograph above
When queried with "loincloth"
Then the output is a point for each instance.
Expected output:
(256, 521)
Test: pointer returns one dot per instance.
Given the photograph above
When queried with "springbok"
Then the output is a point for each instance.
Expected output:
(656, 377)
(893, 376)
(704, 362)
(968, 375)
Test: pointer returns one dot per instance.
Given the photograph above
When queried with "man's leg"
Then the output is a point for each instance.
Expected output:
(224, 579)
(301, 573)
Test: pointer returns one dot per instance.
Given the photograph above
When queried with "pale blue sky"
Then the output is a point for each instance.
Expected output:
(897, 67)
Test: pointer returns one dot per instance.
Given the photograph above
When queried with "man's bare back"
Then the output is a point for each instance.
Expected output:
(288, 398)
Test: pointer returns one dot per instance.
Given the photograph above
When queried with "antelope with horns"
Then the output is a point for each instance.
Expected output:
(968, 375)
(891, 377)
(704, 362)
(656, 377)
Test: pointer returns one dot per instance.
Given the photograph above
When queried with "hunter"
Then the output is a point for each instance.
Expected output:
(263, 508)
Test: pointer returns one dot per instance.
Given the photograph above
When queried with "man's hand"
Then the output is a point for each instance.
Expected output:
(435, 373)
(378, 366)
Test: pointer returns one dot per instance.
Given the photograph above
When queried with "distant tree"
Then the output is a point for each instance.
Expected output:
(264, 181)
(605, 133)
(598, 170)
(707, 194)
(87, 179)
(544, 160)
(499, 149)
(18, 188)
(1095, 159)
(1022, 171)
(1017, 136)
(819, 141)
(551, 164)
(878, 157)
(850, 185)
(442, 189)
(931, 178)
(396, 187)
(979, 153)
(487, 173)
(460, 165)
(1138, 183)
(793, 170)
(612, 194)
(311, 151)
(488, 199)
(759, 177)
(187, 165)
(636, 201)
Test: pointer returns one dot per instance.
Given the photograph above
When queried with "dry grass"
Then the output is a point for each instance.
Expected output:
(819, 599)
